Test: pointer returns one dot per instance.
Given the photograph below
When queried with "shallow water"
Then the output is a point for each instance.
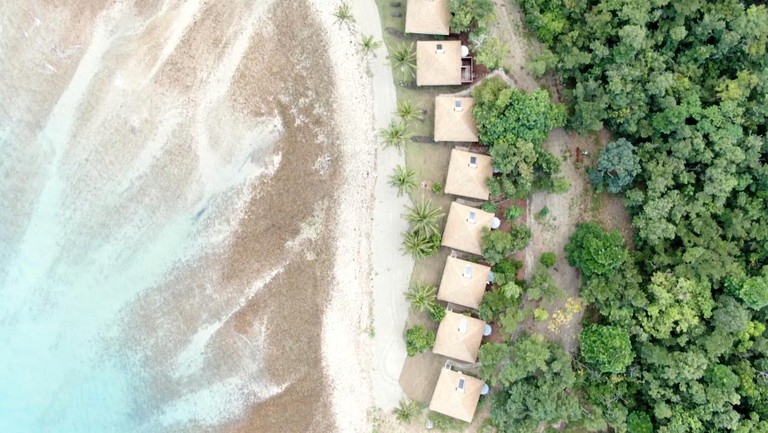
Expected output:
(126, 185)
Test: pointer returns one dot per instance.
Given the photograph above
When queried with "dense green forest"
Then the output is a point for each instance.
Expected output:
(677, 340)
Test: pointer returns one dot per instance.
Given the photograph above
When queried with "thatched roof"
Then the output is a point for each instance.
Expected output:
(461, 233)
(429, 17)
(463, 282)
(456, 395)
(453, 118)
(459, 337)
(468, 174)
(438, 63)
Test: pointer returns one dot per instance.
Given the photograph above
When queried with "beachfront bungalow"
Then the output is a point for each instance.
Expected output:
(468, 175)
(453, 119)
(463, 283)
(438, 63)
(456, 395)
(459, 337)
(428, 17)
(464, 228)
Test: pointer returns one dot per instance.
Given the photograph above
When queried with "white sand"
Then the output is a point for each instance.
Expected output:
(371, 274)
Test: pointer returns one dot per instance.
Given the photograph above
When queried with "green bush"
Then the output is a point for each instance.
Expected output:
(542, 285)
(437, 313)
(548, 259)
(418, 339)
(497, 245)
(489, 207)
(541, 214)
(540, 314)
(512, 213)
(498, 301)
(437, 188)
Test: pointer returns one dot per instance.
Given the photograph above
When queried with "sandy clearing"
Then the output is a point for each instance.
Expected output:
(364, 370)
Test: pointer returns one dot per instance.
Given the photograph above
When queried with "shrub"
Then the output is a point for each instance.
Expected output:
(506, 268)
(491, 51)
(437, 313)
(512, 213)
(437, 188)
(489, 207)
(606, 348)
(543, 286)
(541, 214)
(540, 314)
(418, 339)
(498, 301)
(548, 259)
(497, 245)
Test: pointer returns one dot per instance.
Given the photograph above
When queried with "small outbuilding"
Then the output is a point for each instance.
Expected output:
(463, 283)
(453, 119)
(464, 228)
(429, 17)
(438, 63)
(459, 337)
(456, 395)
(468, 175)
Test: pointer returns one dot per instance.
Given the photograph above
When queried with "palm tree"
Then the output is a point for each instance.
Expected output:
(343, 15)
(407, 110)
(404, 179)
(422, 297)
(368, 45)
(396, 135)
(407, 411)
(424, 218)
(403, 59)
(419, 244)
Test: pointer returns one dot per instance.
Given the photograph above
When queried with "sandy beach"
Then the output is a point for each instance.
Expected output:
(191, 238)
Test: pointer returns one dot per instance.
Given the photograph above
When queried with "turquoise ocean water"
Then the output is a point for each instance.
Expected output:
(111, 187)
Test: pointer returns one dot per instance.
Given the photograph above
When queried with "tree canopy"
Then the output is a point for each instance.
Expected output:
(469, 15)
(506, 115)
(606, 348)
(616, 167)
(686, 83)
(595, 251)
